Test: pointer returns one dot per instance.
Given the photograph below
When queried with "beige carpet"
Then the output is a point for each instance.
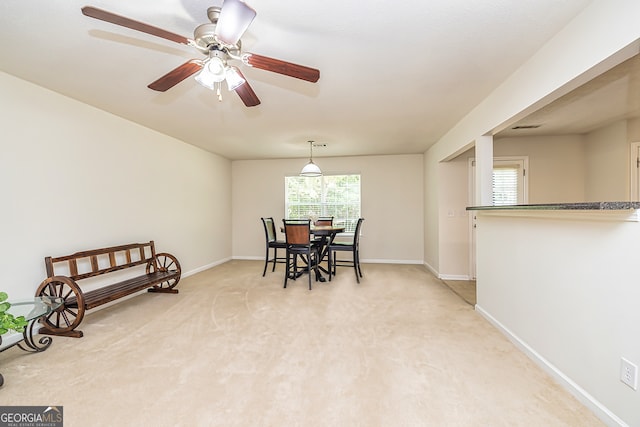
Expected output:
(236, 349)
(465, 289)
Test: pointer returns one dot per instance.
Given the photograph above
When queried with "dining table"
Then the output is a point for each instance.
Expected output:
(325, 234)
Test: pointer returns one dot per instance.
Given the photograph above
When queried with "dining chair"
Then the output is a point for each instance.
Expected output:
(353, 247)
(272, 242)
(324, 220)
(298, 243)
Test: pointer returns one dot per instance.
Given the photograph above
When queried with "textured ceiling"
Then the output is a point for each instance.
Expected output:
(394, 76)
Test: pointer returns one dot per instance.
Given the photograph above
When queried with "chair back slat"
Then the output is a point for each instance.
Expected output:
(297, 232)
(324, 221)
(269, 229)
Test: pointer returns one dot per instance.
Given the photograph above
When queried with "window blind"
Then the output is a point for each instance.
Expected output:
(505, 185)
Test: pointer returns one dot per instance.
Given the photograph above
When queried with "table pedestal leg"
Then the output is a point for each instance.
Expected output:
(29, 343)
(1, 377)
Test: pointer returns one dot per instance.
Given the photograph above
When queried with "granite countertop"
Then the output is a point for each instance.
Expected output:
(591, 206)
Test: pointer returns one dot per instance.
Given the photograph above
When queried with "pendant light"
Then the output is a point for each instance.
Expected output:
(310, 169)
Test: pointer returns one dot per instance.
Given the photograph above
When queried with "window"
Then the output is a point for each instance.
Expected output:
(509, 183)
(505, 186)
(328, 195)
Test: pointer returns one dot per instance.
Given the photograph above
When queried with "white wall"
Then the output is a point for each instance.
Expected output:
(454, 220)
(607, 163)
(564, 287)
(557, 168)
(633, 130)
(433, 185)
(392, 204)
(76, 178)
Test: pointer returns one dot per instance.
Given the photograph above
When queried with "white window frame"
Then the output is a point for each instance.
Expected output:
(324, 206)
(521, 163)
(504, 161)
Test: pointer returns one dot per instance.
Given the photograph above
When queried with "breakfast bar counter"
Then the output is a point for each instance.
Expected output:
(561, 282)
(588, 206)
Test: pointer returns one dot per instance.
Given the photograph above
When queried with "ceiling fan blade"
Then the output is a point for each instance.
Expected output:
(176, 75)
(282, 67)
(103, 15)
(246, 93)
(235, 18)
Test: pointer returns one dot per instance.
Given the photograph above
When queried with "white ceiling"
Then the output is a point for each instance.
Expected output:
(394, 76)
(612, 96)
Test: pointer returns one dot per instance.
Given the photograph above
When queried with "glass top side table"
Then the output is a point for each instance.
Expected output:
(32, 310)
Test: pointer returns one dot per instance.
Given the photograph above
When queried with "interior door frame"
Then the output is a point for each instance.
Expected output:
(634, 158)
(523, 198)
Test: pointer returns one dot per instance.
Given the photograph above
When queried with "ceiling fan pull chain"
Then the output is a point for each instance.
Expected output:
(218, 91)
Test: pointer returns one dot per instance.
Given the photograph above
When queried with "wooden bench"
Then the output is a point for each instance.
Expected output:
(63, 274)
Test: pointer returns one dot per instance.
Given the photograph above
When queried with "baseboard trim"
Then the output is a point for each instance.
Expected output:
(205, 267)
(453, 277)
(578, 392)
(248, 258)
(431, 269)
(391, 261)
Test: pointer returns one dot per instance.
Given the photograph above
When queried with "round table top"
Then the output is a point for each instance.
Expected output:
(327, 229)
(323, 229)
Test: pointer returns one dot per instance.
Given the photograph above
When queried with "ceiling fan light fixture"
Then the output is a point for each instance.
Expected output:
(217, 68)
(205, 79)
(235, 18)
(234, 78)
(311, 169)
(212, 72)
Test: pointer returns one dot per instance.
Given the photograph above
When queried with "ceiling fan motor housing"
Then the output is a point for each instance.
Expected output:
(213, 13)
(204, 37)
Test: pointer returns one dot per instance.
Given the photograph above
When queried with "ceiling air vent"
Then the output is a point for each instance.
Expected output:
(526, 127)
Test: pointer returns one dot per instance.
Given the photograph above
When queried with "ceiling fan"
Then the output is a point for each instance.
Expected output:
(220, 41)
